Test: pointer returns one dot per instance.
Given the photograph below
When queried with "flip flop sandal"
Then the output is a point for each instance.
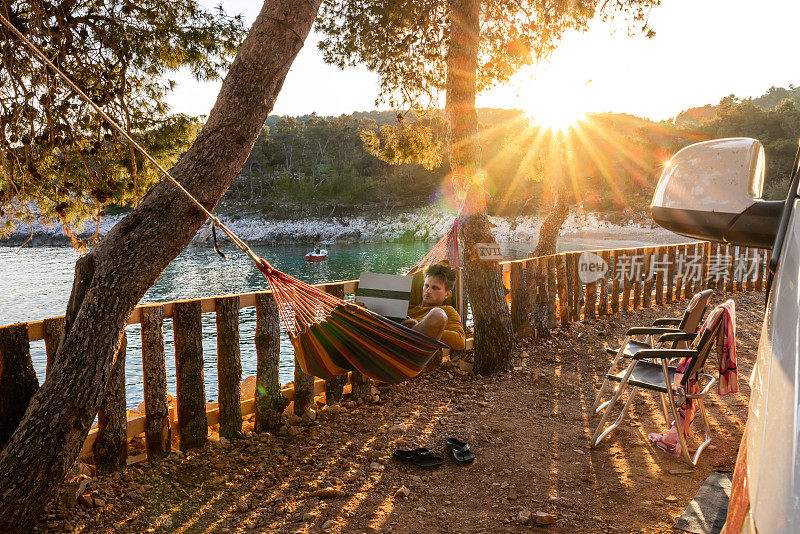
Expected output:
(460, 450)
(420, 457)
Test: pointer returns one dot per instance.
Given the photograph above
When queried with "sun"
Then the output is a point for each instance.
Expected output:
(554, 99)
(555, 117)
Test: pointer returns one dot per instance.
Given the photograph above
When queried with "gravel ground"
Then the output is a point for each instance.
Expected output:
(528, 427)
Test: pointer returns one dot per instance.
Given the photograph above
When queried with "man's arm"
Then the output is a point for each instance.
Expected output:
(454, 332)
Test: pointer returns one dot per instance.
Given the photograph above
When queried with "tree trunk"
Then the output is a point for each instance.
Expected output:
(18, 382)
(110, 449)
(548, 232)
(132, 256)
(485, 290)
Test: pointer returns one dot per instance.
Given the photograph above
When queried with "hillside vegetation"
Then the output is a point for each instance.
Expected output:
(321, 166)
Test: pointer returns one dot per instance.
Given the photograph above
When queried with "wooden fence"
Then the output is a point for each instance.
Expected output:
(544, 293)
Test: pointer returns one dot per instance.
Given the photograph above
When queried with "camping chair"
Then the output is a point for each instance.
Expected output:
(649, 369)
(688, 323)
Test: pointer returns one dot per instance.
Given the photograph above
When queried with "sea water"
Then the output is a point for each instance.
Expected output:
(35, 284)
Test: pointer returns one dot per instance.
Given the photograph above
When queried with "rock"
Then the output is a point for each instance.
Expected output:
(464, 366)
(86, 500)
(294, 419)
(224, 442)
(680, 471)
(398, 428)
(375, 466)
(331, 409)
(416, 478)
(422, 509)
(242, 504)
(248, 387)
(86, 469)
(543, 518)
(524, 516)
(249, 524)
(327, 493)
(294, 430)
(671, 499)
(70, 492)
(99, 503)
(329, 524)
(512, 495)
(402, 491)
(308, 516)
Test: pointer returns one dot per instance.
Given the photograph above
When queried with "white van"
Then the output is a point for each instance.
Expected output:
(712, 190)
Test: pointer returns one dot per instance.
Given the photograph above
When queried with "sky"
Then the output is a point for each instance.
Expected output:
(703, 50)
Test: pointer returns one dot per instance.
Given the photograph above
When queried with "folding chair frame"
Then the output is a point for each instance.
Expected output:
(674, 397)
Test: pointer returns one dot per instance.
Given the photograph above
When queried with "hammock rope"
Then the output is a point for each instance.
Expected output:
(444, 249)
(330, 336)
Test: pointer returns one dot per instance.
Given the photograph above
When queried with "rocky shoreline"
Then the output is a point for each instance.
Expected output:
(420, 225)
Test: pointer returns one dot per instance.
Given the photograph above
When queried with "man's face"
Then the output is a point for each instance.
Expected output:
(434, 292)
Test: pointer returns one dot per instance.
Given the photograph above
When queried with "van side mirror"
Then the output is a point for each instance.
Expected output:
(712, 190)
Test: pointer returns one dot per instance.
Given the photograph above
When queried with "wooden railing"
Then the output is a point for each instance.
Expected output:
(544, 293)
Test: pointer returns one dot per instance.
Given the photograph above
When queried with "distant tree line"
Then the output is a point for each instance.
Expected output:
(612, 163)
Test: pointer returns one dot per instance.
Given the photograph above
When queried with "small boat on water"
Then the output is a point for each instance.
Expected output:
(318, 254)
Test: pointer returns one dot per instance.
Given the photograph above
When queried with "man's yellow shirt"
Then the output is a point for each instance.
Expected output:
(453, 333)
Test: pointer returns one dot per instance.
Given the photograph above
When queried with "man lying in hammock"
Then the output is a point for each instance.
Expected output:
(432, 317)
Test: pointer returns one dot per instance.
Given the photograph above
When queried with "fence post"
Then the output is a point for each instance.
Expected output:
(706, 258)
(713, 266)
(567, 281)
(157, 433)
(551, 291)
(729, 285)
(615, 282)
(627, 283)
(229, 366)
(53, 328)
(659, 272)
(191, 390)
(110, 449)
(680, 271)
(577, 289)
(18, 380)
(589, 310)
(303, 389)
(647, 285)
(602, 308)
(268, 399)
(540, 317)
(563, 288)
(637, 281)
(671, 268)
(334, 387)
(520, 305)
(361, 385)
(744, 255)
(691, 283)
(759, 257)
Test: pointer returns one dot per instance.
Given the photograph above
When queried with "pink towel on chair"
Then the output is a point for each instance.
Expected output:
(728, 380)
(726, 350)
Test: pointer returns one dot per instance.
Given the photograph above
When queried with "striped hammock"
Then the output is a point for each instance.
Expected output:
(331, 337)
(444, 249)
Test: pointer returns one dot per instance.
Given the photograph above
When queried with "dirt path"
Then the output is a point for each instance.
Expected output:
(528, 427)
